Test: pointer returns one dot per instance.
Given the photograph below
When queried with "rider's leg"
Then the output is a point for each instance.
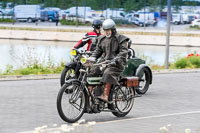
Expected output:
(106, 92)
(90, 88)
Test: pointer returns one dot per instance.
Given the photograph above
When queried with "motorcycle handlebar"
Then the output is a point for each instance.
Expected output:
(82, 52)
(103, 63)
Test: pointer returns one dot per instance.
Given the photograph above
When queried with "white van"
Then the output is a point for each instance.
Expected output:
(29, 13)
(145, 16)
(116, 14)
(177, 18)
(81, 11)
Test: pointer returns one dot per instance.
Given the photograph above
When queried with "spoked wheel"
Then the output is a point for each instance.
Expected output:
(123, 100)
(67, 74)
(71, 102)
(144, 81)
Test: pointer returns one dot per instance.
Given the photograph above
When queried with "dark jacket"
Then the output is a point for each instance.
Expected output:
(114, 48)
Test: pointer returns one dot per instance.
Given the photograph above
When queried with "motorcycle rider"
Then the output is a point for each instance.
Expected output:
(114, 47)
(97, 24)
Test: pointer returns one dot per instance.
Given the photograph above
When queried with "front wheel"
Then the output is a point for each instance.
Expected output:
(71, 102)
(123, 100)
(50, 20)
(144, 81)
(67, 74)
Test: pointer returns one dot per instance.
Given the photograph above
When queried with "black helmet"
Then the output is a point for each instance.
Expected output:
(97, 24)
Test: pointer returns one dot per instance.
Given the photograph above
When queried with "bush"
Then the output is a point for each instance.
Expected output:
(70, 22)
(191, 61)
(7, 20)
(195, 27)
(182, 63)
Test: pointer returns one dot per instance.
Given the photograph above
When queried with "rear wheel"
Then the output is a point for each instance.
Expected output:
(29, 20)
(123, 100)
(71, 102)
(144, 81)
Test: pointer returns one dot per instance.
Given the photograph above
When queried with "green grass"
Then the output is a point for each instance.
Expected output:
(37, 70)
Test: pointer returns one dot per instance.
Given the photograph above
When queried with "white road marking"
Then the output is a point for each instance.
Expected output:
(139, 118)
(149, 117)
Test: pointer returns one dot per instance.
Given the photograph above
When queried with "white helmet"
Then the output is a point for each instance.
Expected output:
(108, 24)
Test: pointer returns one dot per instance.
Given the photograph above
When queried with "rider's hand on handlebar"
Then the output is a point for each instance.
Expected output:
(113, 63)
(91, 59)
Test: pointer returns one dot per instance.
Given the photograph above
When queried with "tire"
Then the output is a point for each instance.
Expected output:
(50, 20)
(113, 95)
(29, 20)
(64, 75)
(60, 108)
(144, 76)
(87, 22)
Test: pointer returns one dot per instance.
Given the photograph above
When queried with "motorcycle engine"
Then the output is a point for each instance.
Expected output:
(98, 90)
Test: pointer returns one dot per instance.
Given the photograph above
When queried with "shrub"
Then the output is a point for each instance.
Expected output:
(195, 27)
(182, 63)
(70, 22)
(191, 61)
(7, 20)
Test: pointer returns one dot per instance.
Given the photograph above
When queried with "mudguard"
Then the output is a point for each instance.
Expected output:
(76, 66)
(141, 67)
(71, 64)
(72, 80)
(76, 80)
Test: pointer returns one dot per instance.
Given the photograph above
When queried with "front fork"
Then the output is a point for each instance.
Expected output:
(77, 68)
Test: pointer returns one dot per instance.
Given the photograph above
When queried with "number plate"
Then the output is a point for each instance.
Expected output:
(73, 52)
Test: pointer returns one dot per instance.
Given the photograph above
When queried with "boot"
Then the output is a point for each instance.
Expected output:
(104, 96)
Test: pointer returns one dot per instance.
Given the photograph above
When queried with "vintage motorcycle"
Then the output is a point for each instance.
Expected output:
(72, 68)
(135, 67)
(74, 98)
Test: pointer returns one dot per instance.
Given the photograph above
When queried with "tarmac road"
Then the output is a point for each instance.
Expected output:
(172, 99)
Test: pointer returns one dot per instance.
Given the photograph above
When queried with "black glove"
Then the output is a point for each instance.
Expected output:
(113, 63)
(91, 59)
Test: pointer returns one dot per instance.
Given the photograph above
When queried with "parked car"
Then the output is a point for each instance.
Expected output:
(48, 15)
(138, 22)
(43, 15)
(190, 19)
(29, 13)
(8, 11)
(52, 9)
(196, 22)
(1, 11)
(51, 15)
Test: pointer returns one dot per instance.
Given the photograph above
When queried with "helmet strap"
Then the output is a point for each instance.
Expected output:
(114, 31)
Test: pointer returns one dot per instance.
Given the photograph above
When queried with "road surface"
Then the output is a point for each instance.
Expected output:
(172, 99)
